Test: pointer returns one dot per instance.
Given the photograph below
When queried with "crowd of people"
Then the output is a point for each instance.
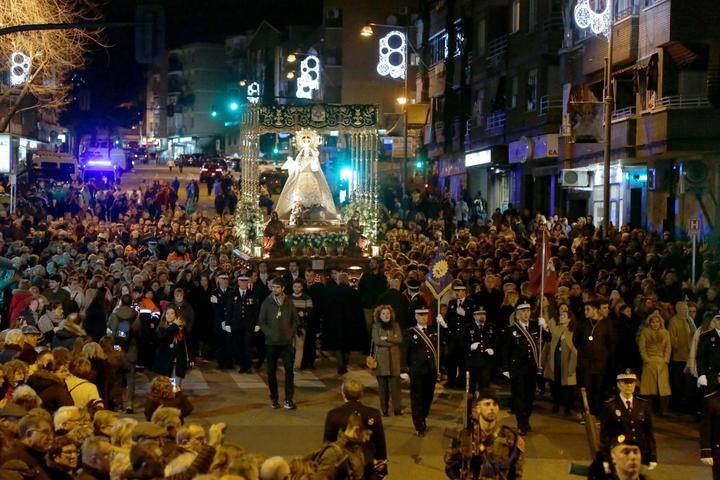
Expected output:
(100, 284)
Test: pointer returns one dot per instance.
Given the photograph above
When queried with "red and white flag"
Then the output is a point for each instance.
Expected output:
(536, 273)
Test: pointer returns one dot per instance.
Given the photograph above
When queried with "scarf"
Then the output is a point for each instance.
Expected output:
(530, 341)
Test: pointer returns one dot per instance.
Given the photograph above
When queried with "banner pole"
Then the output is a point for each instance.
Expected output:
(542, 296)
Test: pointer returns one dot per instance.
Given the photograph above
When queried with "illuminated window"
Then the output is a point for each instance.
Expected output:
(516, 16)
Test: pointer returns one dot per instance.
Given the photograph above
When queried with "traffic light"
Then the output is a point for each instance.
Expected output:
(419, 164)
(213, 111)
(234, 106)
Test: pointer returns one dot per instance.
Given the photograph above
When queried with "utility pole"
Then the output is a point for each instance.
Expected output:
(609, 100)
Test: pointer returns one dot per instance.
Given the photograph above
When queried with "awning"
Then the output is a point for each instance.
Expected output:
(418, 114)
(680, 53)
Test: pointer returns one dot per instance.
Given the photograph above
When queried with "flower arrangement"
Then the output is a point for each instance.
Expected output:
(316, 240)
(248, 224)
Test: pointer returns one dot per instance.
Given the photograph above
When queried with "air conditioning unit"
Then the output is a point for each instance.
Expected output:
(574, 179)
(695, 174)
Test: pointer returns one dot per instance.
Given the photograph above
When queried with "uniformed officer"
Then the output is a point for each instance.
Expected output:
(415, 299)
(219, 301)
(419, 359)
(625, 414)
(492, 451)
(626, 457)
(480, 342)
(708, 355)
(242, 312)
(710, 433)
(521, 358)
(456, 319)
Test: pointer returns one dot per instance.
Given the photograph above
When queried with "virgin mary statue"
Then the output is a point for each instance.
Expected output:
(306, 185)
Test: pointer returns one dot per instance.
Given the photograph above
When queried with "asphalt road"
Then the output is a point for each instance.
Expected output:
(242, 401)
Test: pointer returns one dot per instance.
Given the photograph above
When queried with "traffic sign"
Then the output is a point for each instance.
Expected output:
(694, 227)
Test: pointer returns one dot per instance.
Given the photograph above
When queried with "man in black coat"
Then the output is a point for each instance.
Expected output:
(343, 326)
(375, 450)
(593, 339)
(480, 347)
(419, 360)
(625, 414)
(457, 318)
(219, 301)
(415, 299)
(708, 355)
(399, 302)
(242, 313)
(521, 359)
(373, 282)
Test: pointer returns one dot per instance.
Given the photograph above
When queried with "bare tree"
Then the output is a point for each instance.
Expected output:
(53, 54)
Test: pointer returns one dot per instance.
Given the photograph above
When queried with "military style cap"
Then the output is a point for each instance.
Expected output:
(459, 287)
(523, 306)
(421, 311)
(487, 393)
(413, 284)
(243, 278)
(479, 311)
(223, 276)
(623, 440)
(628, 374)
(148, 430)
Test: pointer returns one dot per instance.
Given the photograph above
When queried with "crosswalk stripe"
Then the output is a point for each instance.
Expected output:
(363, 376)
(247, 380)
(194, 380)
(306, 379)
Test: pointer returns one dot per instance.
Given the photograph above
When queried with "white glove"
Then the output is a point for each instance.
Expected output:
(474, 346)
(606, 467)
(213, 299)
(257, 328)
(707, 461)
(542, 323)
(226, 327)
(702, 381)
(490, 351)
(441, 321)
(405, 376)
(506, 374)
(652, 465)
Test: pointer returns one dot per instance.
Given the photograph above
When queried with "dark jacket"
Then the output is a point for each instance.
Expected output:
(180, 401)
(51, 390)
(710, 427)
(67, 334)
(344, 324)
(279, 330)
(371, 286)
(125, 313)
(593, 355)
(336, 421)
(418, 352)
(171, 352)
(33, 459)
(399, 304)
(637, 425)
(708, 356)
(342, 460)
(95, 323)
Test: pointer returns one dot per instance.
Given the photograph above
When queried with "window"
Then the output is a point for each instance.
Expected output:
(514, 92)
(481, 37)
(532, 15)
(532, 82)
(515, 16)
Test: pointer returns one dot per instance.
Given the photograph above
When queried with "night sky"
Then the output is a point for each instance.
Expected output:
(113, 76)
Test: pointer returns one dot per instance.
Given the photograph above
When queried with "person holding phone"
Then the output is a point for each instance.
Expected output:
(172, 359)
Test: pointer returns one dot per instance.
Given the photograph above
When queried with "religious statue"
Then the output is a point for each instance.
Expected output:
(272, 235)
(306, 185)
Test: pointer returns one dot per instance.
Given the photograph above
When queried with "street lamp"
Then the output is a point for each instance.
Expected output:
(402, 100)
(290, 75)
(366, 31)
(291, 58)
(602, 23)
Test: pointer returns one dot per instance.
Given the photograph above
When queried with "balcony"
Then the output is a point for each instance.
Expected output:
(679, 102)
(496, 51)
(550, 103)
(496, 122)
(623, 113)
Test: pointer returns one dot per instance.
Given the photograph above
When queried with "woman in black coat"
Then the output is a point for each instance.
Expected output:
(96, 315)
(171, 358)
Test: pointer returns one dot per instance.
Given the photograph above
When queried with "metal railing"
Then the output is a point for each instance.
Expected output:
(497, 47)
(496, 120)
(622, 113)
(552, 22)
(550, 102)
(681, 102)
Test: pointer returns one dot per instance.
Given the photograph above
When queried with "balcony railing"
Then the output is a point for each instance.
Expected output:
(550, 102)
(497, 47)
(496, 121)
(552, 23)
(678, 102)
(622, 113)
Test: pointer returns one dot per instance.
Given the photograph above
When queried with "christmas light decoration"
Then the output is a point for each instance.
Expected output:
(309, 77)
(393, 47)
(19, 68)
(253, 92)
(586, 16)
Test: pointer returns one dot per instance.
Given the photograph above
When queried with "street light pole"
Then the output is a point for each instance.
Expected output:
(403, 176)
(608, 125)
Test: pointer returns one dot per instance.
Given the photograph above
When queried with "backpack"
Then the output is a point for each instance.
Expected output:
(314, 459)
(122, 334)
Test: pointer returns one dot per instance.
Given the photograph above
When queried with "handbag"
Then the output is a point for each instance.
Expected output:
(370, 360)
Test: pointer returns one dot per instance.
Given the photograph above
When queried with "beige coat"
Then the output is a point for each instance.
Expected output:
(655, 352)
(569, 355)
(681, 333)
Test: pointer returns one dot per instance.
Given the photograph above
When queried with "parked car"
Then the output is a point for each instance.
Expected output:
(213, 168)
(274, 180)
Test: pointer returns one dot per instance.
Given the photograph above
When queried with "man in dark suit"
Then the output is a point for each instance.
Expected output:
(625, 414)
(415, 299)
(293, 273)
(708, 355)
(593, 339)
(521, 359)
(710, 433)
(375, 450)
(399, 302)
(242, 314)
(219, 301)
(419, 360)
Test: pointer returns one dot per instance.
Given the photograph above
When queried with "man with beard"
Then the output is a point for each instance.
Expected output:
(498, 453)
(593, 339)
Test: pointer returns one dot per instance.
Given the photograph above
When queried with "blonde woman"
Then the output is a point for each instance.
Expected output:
(121, 435)
(561, 360)
(655, 349)
(387, 337)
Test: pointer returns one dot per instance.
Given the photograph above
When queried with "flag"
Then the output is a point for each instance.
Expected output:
(439, 279)
(535, 274)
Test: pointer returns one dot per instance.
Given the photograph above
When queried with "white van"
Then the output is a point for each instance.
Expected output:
(54, 165)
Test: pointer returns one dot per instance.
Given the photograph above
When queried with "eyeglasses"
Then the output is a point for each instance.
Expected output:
(70, 453)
